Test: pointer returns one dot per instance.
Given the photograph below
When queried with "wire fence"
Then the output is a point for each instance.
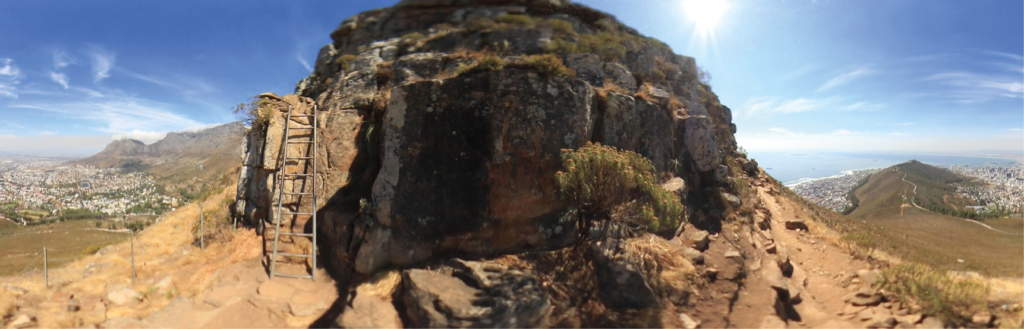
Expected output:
(65, 253)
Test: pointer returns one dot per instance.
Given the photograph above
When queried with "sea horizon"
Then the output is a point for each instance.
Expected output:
(793, 168)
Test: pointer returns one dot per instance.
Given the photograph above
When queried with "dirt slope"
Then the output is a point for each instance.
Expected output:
(178, 285)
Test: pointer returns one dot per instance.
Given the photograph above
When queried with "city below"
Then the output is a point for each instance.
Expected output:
(1000, 188)
(42, 190)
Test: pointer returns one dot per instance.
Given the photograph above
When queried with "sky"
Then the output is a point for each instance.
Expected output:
(920, 76)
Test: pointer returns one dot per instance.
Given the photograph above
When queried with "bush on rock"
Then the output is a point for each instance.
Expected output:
(600, 179)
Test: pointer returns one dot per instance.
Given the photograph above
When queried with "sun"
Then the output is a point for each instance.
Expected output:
(705, 13)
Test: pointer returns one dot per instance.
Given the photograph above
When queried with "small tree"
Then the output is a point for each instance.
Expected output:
(254, 114)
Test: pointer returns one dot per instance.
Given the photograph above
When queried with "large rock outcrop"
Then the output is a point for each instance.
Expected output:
(441, 125)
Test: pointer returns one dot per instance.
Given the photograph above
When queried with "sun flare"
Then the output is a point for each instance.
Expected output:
(705, 13)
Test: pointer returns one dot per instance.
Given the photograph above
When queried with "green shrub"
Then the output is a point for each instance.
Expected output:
(522, 21)
(561, 46)
(608, 45)
(480, 24)
(559, 26)
(952, 300)
(485, 63)
(548, 64)
(597, 179)
(344, 60)
(254, 114)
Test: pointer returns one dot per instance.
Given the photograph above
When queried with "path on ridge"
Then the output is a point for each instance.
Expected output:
(919, 207)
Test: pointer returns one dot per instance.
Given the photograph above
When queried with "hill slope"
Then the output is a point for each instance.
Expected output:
(181, 161)
(912, 232)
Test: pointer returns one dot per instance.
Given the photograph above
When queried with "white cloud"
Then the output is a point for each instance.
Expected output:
(1015, 129)
(61, 59)
(898, 133)
(304, 63)
(842, 132)
(9, 69)
(102, 62)
(60, 78)
(147, 137)
(905, 124)
(846, 77)
(9, 77)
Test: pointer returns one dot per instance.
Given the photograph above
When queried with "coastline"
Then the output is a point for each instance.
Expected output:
(843, 174)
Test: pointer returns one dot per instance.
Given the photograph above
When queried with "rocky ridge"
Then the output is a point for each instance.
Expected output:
(441, 123)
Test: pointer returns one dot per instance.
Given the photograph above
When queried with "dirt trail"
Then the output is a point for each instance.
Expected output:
(818, 298)
(178, 285)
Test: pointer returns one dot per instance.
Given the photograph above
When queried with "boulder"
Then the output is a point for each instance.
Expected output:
(620, 76)
(374, 253)
(696, 238)
(750, 166)
(866, 297)
(699, 140)
(462, 294)
(867, 277)
(588, 67)
(982, 319)
(733, 200)
(123, 295)
(931, 322)
(372, 306)
(621, 283)
(620, 122)
(796, 224)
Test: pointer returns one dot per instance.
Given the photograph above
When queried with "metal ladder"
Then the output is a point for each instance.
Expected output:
(282, 176)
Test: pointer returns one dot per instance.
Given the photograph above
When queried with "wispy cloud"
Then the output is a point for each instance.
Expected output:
(905, 124)
(304, 62)
(898, 133)
(102, 62)
(117, 115)
(9, 69)
(62, 59)
(1015, 129)
(776, 105)
(9, 77)
(60, 78)
(846, 77)
(968, 87)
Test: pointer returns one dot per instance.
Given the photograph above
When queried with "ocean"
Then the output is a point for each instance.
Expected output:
(793, 168)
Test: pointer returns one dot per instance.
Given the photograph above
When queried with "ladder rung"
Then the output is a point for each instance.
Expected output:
(293, 193)
(296, 158)
(300, 142)
(293, 276)
(298, 175)
(293, 255)
(297, 234)
(300, 127)
(303, 115)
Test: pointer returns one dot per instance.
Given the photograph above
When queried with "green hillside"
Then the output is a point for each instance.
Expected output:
(925, 235)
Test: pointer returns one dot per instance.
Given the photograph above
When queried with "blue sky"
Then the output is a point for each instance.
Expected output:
(908, 76)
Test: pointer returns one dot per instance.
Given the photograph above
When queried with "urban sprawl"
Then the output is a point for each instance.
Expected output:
(1003, 188)
(37, 189)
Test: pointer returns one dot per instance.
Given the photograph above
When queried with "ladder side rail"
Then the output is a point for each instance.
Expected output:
(280, 191)
(313, 206)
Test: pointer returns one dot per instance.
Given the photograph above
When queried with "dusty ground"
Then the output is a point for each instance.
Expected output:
(178, 285)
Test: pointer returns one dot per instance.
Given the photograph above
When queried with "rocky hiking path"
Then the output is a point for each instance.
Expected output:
(793, 276)
(179, 285)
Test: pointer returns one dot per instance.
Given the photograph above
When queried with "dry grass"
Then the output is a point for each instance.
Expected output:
(954, 300)
(162, 250)
(609, 86)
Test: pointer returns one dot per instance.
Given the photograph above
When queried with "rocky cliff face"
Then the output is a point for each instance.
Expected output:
(445, 119)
